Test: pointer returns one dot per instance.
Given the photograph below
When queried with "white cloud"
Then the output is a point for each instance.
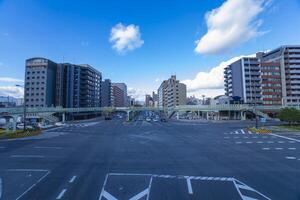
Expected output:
(13, 91)
(210, 83)
(231, 24)
(10, 80)
(125, 38)
(138, 94)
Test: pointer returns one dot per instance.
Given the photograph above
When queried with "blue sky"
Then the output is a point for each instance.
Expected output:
(80, 31)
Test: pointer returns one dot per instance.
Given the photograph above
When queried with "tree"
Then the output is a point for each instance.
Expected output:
(290, 115)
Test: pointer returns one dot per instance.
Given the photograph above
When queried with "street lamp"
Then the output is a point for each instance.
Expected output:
(24, 107)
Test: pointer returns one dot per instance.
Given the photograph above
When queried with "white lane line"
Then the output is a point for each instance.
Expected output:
(150, 184)
(108, 196)
(72, 179)
(292, 148)
(27, 170)
(27, 156)
(140, 195)
(102, 190)
(40, 147)
(226, 137)
(0, 188)
(280, 142)
(249, 142)
(245, 137)
(291, 141)
(33, 185)
(259, 142)
(270, 142)
(285, 137)
(61, 194)
(189, 185)
(265, 148)
(290, 157)
(278, 148)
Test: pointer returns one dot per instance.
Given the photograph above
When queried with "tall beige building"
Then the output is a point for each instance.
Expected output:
(171, 93)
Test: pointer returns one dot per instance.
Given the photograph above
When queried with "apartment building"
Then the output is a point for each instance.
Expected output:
(117, 96)
(281, 76)
(123, 87)
(64, 84)
(243, 78)
(171, 93)
(40, 79)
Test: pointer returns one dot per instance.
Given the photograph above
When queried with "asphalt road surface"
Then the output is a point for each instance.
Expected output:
(151, 160)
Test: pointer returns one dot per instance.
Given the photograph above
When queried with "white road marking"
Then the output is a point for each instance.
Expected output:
(226, 137)
(150, 184)
(280, 142)
(259, 142)
(39, 147)
(249, 142)
(48, 172)
(236, 132)
(245, 137)
(108, 196)
(243, 132)
(102, 190)
(2, 147)
(27, 170)
(140, 195)
(290, 157)
(189, 185)
(278, 148)
(72, 179)
(265, 148)
(61, 194)
(270, 142)
(291, 141)
(292, 148)
(238, 142)
(236, 137)
(27, 156)
(285, 137)
(0, 188)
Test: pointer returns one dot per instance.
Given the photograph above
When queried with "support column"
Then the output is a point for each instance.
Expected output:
(15, 123)
(243, 117)
(128, 115)
(63, 117)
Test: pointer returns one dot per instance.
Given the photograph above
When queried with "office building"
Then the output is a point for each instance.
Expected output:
(148, 100)
(243, 78)
(106, 93)
(40, 80)
(171, 93)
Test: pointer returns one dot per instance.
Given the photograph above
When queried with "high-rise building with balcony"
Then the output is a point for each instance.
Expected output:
(117, 96)
(171, 93)
(281, 76)
(243, 78)
(71, 86)
(40, 81)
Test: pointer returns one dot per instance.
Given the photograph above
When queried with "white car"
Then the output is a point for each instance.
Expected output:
(59, 124)
(148, 119)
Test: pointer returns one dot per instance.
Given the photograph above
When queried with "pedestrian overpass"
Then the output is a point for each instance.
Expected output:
(238, 109)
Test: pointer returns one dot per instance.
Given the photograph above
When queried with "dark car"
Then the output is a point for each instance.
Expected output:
(163, 120)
